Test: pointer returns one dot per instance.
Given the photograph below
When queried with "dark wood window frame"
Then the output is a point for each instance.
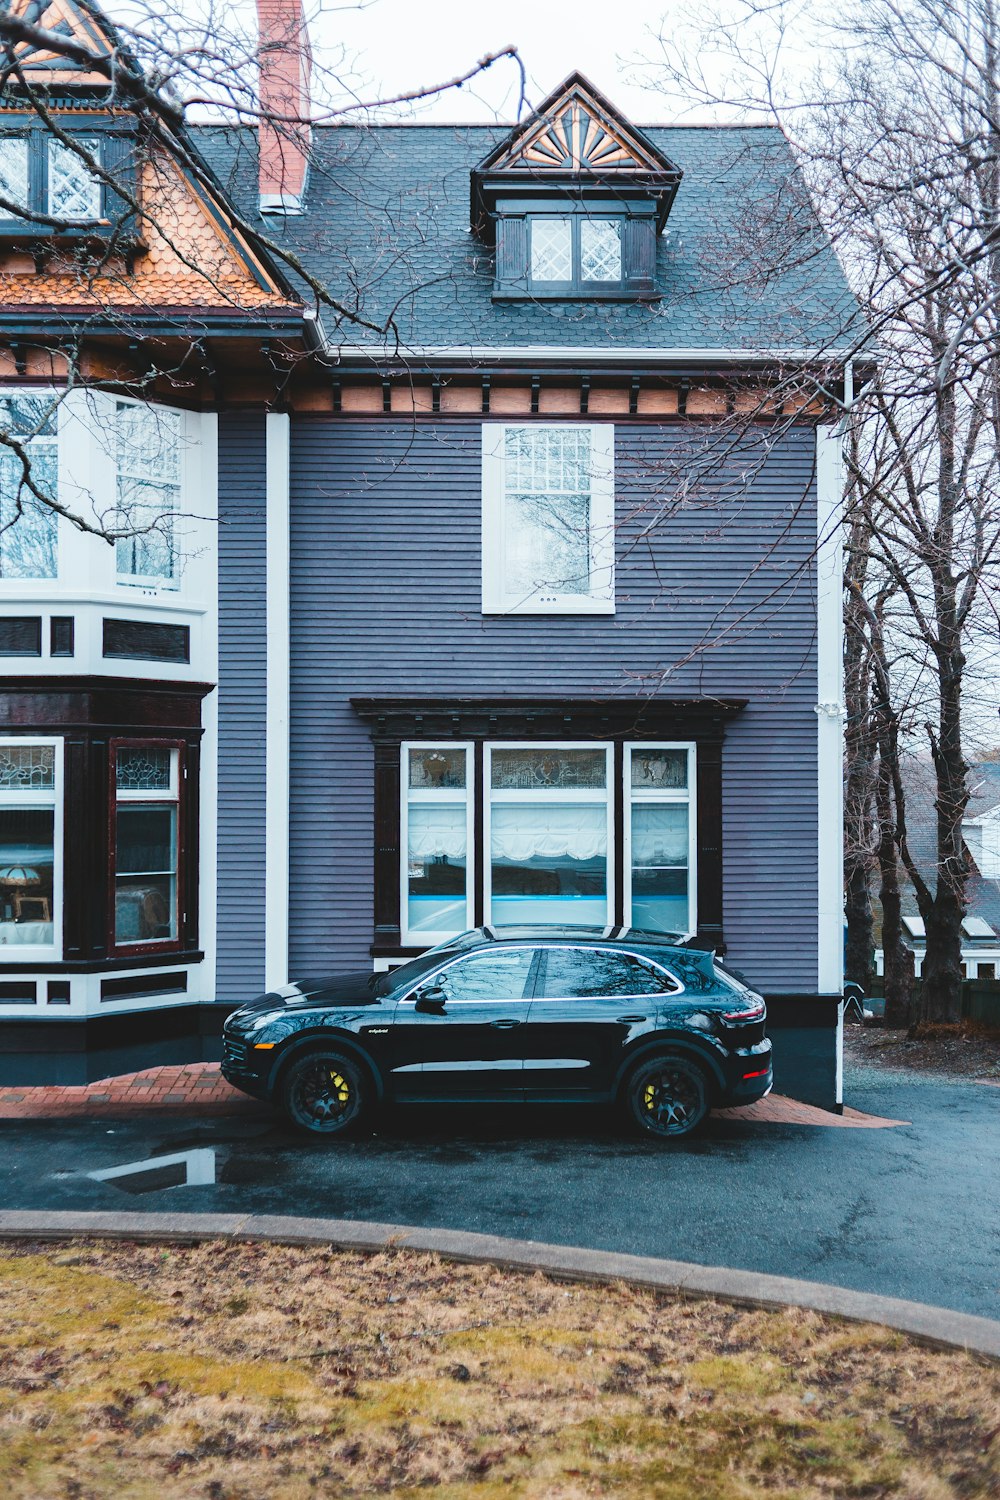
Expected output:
(393, 721)
(141, 742)
(118, 148)
(88, 714)
(512, 230)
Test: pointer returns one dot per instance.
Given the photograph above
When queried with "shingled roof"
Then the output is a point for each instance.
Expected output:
(387, 229)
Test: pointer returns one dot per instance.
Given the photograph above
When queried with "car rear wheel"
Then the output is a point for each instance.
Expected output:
(325, 1093)
(667, 1096)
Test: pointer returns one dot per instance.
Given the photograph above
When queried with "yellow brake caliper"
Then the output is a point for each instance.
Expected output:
(340, 1087)
(649, 1097)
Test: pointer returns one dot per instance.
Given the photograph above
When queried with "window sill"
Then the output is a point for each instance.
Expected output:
(529, 294)
(560, 607)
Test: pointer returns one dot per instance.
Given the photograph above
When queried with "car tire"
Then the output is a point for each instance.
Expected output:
(667, 1096)
(325, 1093)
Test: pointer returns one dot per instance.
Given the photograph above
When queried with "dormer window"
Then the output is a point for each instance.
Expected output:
(51, 180)
(573, 200)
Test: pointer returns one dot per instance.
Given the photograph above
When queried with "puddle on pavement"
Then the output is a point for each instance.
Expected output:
(180, 1169)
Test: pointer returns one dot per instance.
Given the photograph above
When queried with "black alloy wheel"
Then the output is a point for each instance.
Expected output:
(325, 1093)
(668, 1096)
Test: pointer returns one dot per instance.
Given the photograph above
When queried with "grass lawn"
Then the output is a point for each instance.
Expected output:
(232, 1372)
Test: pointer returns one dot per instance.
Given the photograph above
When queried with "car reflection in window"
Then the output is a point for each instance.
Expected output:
(490, 976)
(572, 973)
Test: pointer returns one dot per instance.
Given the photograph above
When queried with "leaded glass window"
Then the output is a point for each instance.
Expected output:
(551, 249)
(13, 173)
(74, 191)
(144, 769)
(148, 476)
(28, 527)
(27, 767)
(601, 250)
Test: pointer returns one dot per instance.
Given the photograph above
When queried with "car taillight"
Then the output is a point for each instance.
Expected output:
(751, 1013)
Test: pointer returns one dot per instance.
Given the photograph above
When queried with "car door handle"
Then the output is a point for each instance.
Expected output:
(630, 1019)
(504, 1025)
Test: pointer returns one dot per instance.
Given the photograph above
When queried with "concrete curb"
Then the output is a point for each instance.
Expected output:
(933, 1325)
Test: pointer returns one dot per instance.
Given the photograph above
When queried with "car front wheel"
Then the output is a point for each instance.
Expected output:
(667, 1096)
(325, 1093)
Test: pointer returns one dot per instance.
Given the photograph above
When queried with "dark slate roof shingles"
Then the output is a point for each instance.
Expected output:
(387, 231)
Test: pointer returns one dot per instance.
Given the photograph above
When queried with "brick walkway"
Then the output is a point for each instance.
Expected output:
(199, 1088)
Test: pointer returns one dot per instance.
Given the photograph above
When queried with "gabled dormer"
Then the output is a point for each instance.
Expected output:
(46, 168)
(573, 200)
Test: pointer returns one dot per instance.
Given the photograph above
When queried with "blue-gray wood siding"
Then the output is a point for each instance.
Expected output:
(717, 598)
(242, 707)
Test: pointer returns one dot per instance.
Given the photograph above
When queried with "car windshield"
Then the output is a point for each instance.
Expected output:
(406, 974)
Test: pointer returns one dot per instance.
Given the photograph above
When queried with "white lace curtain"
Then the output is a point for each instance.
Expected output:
(659, 835)
(521, 833)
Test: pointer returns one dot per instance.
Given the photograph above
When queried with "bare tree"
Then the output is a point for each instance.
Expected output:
(898, 129)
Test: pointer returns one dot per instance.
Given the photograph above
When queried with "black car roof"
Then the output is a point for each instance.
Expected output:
(610, 937)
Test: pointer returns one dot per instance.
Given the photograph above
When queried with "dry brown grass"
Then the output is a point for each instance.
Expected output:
(251, 1372)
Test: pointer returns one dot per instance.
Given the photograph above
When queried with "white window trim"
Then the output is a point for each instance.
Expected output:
(425, 938)
(28, 798)
(679, 797)
(495, 601)
(584, 794)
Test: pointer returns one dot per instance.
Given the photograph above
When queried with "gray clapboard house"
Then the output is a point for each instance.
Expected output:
(523, 603)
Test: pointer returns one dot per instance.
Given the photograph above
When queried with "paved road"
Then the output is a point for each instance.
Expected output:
(908, 1212)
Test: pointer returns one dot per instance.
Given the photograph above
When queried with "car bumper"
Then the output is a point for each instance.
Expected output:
(750, 1075)
(243, 1068)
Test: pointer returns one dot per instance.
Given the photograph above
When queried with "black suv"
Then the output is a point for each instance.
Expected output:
(523, 1015)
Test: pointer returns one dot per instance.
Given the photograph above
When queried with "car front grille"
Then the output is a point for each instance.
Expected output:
(234, 1052)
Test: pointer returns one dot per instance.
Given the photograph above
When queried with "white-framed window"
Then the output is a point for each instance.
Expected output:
(148, 479)
(548, 518)
(29, 529)
(31, 846)
(146, 853)
(549, 834)
(437, 839)
(660, 837)
(74, 190)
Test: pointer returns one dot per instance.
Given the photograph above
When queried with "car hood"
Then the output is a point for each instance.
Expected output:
(329, 990)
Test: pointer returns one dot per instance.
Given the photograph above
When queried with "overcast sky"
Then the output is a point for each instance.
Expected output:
(397, 45)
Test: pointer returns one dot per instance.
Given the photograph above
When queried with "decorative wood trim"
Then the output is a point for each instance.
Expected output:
(387, 845)
(709, 843)
(393, 720)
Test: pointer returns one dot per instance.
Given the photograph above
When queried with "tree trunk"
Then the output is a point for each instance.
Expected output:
(897, 959)
(943, 971)
(859, 956)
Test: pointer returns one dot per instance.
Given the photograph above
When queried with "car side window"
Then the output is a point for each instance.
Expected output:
(579, 973)
(487, 976)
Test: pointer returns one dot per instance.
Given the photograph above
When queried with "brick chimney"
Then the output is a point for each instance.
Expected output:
(284, 128)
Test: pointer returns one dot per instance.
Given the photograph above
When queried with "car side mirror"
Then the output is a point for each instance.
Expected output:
(431, 1001)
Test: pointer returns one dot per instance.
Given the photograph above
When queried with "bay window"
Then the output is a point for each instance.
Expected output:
(562, 832)
(28, 527)
(30, 847)
(145, 845)
(548, 519)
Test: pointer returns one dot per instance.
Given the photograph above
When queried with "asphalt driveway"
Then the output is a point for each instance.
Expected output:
(912, 1211)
